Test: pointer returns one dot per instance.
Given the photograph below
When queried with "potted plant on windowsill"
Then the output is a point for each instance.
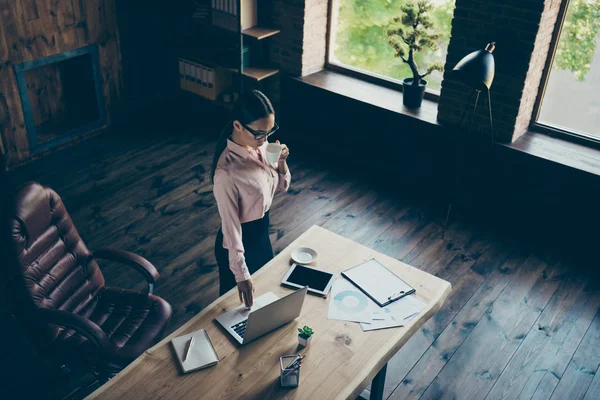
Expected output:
(409, 34)
(305, 335)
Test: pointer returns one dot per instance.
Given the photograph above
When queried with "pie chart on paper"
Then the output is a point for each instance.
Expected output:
(350, 301)
(348, 304)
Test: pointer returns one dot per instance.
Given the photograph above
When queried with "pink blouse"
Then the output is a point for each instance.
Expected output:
(244, 187)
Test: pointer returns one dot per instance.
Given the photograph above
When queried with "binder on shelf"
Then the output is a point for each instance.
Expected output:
(192, 73)
(188, 72)
(226, 17)
(200, 74)
(211, 78)
(181, 73)
(205, 80)
(203, 76)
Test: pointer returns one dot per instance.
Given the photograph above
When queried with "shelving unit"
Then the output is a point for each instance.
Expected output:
(222, 48)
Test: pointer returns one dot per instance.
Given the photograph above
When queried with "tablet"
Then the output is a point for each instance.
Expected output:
(319, 282)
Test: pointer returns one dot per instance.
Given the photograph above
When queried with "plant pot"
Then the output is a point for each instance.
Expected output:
(412, 95)
(303, 340)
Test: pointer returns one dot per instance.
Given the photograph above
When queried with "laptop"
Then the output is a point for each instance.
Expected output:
(269, 312)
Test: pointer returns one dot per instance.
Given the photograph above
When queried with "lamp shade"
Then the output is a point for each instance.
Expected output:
(477, 68)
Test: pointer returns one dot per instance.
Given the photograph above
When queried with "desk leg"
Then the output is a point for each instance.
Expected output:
(377, 386)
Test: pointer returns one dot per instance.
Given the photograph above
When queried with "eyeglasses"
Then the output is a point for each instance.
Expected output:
(258, 135)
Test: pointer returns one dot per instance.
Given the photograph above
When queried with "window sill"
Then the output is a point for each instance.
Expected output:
(559, 150)
(536, 144)
(370, 93)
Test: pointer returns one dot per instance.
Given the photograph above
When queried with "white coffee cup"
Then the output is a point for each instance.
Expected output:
(273, 152)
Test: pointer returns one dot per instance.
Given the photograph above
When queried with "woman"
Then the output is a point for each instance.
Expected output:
(244, 183)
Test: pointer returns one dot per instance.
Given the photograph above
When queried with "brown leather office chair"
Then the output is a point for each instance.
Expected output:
(60, 289)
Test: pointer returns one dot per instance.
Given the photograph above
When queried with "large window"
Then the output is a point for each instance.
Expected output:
(571, 99)
(358, 39)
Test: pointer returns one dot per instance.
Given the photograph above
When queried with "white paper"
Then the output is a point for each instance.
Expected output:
(347, 303)
(395, 314)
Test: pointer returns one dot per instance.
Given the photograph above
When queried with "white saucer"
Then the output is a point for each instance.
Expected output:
(304, 255)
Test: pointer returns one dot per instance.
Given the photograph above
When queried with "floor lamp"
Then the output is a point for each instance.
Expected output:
(476, 70)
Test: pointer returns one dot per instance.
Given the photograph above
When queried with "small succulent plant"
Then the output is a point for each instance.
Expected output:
(306, 331)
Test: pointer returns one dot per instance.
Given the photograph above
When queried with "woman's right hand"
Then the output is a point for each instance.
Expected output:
(246, 292)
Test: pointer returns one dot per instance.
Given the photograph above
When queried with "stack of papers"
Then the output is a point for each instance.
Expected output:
(347, 303)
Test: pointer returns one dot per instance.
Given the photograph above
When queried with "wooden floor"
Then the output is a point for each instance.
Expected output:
(521, 322)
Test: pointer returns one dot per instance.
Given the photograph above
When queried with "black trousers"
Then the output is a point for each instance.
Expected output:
(257, 250)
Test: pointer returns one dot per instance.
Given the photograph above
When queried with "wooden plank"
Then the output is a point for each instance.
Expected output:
(348, 221)
(62, 21)
(14, 133)
(10, 31)
(18, 33)
(580, 372)
(30, 9)
(566, 305)
(413, 384)
(593, 391)
(4, 53)
(12, 120)
(544, 370)
(347, 369)
(479, 361)
(284, 235)
(43, 39)
(46, 94)
(260, 33)
(256, 73)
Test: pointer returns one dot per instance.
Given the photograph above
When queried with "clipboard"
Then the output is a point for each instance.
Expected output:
(378, 282)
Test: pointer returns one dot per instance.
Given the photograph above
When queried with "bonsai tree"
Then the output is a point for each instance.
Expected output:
(305, 332)
(411, 33)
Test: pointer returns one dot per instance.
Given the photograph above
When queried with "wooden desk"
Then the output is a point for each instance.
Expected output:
(341, 360)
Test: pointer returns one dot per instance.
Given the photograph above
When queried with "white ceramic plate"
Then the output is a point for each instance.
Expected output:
(304, 255)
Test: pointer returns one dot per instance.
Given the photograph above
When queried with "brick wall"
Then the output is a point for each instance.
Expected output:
(286, 48)
(539, 57)
(300, 47)
(315, 36)
(522, 30)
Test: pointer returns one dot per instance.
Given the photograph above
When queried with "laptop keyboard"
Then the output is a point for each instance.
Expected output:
(240, 328)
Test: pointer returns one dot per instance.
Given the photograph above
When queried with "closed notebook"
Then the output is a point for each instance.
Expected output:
(201, 355)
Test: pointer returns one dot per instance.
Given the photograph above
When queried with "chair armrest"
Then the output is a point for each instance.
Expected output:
(139, 263)
(82, 326)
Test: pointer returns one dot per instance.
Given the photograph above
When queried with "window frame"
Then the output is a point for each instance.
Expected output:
(537, 126)
(367, 76)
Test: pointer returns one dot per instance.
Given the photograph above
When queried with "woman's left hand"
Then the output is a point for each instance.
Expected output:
(285, 151)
